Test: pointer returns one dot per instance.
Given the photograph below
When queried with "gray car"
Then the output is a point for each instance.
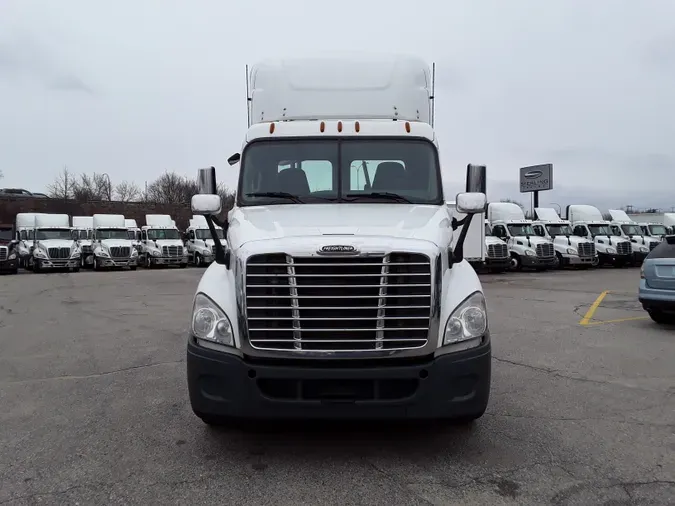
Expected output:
(657, 282)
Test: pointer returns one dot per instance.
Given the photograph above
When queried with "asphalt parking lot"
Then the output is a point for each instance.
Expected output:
(95, 408)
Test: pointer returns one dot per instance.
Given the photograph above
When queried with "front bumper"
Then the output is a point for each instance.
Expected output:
(9, 265)
(614, 259)
(577, 260)
(168, 260)
(64, 263)
(533, 261)
(639, 257)
(118, 262)
(497, 262)
(448, 386)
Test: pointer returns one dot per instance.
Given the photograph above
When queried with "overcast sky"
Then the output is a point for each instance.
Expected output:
(133, 88)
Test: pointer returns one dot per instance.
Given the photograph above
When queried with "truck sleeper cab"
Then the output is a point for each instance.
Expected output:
(53, 244)
(340, 295)
(587, 222)
(112, 247)
(623, 226)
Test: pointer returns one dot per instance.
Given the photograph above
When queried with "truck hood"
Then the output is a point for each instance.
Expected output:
(490, 239)
(116, 243)
(534, 239)
(574, 240)
(167, 242)
(404, 221)
(57, 243)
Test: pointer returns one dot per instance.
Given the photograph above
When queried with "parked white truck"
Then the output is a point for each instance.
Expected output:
(24, 226)
(507, 221)
(587, 222)
(112, 247)
(53, 244)
(570, 250)
(497, 258)
(623, 226)
(161, 242)
(341, 294)
(199, 243)
(83, 230)
(133, 232)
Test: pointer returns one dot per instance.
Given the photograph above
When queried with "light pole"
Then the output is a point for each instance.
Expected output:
(109, 186)
(559, 208)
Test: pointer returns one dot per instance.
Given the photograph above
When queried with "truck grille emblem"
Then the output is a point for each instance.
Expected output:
(338, 249)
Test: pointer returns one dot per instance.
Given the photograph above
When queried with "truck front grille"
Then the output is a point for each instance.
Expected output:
(339, 303)
(586, 249)
(545, 250)
(172, 251)
(120, 252)
(56, 253)
(498, 251)
(623, 248)
(4, 252)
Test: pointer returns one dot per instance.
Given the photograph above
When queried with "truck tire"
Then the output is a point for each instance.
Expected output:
(559, 262)
(198, 260)
(516, 264)
(36, 266)
(132, 267)
(183, 266)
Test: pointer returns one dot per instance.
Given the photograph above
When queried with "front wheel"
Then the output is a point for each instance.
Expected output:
(36, 266)
(198, 260)
(558, 263)
(516, 264)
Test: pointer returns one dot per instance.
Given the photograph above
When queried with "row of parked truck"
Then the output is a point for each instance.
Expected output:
(506, 240)
(43, 242)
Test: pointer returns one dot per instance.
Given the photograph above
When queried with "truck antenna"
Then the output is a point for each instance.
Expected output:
(248, 102)
(433, 93)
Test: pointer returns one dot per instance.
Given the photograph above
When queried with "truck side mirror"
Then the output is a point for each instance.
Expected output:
(471, 203)
(234, 159)
(476, 179)
(206, 204)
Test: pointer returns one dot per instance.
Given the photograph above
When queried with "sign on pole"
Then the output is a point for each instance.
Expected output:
(536, 178)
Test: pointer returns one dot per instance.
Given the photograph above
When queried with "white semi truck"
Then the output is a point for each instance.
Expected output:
(570, 250)
(623, 226)
(133, 232)
(83, 230)
(53, 244)
(112, 246)
(587, 222)
(24, 226)
(527, 249)
(199, 243)
(340, 294)
(497, 258)
(161, 242)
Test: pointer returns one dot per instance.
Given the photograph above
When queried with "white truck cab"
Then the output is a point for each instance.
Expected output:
(655, 230)
(526, 248)
(161, 242)
(623, 226)
(53, 244)
(83, 231)
(24, 227)
(587, 222)
(133, 232)
(497, 258)
(199, 243)
(569, 249)
(669, 222)
(111, 244)
(341, 294)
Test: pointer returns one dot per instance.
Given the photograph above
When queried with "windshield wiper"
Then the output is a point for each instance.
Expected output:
(281, 195)
(378, 195)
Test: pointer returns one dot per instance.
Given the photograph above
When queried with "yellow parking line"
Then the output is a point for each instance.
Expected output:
(591, 310)
(634, 318)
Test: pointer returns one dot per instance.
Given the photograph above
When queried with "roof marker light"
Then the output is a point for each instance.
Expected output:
(271, 128)
(407, 126)
(322, 127)
(357, 127)
(339, 126)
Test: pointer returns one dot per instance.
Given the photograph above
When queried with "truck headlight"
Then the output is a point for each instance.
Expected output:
(12, 256)
(40, 253)
(530, 252)
(210, 323)
(572, 251)
(75, 254)
(156, 253)
(468, 321)
(643, 249)
(611, 251)
(134, 252)
(102, 253)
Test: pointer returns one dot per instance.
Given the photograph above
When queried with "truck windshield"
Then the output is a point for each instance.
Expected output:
(205, 234)
(554, 230)
(310, 171)
(163, 233)
(80, 234)
(631, 230)
(488, 232)
(44, 234)
(111, 233)
(520, 230)
(131, 235)
(599, 230)
(657, 230)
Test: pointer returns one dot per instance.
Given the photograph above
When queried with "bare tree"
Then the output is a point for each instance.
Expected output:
(127, 191)
(63, 185)
(92, 187)
(172, 188)
(226, 196)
